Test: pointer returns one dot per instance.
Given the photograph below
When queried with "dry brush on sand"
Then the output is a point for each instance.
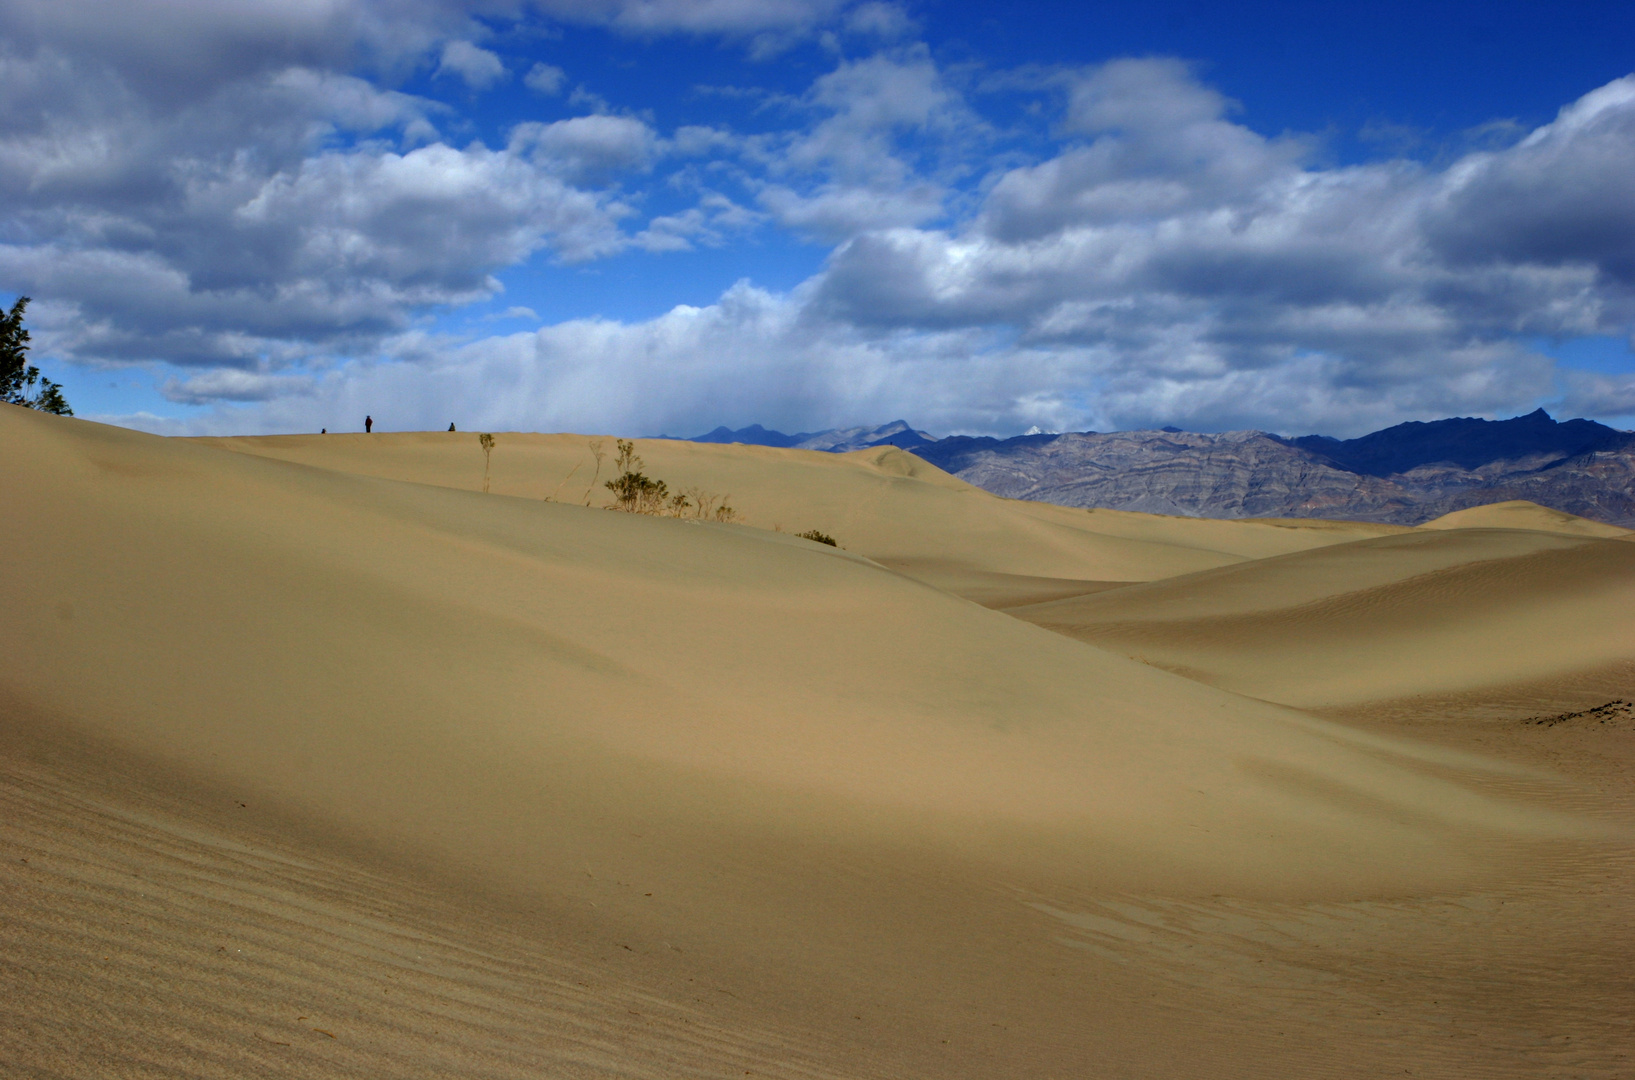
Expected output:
(324, 764)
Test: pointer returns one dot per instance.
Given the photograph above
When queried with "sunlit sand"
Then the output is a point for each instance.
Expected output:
(319, 761)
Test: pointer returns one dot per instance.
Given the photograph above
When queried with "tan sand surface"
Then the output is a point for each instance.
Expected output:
(1250, 538)
(1521, 514)
(885, 504)
(1466, 610)
(600, 795)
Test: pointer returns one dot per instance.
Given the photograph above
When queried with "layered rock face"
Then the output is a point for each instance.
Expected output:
(1405, 475)
(1232, 475)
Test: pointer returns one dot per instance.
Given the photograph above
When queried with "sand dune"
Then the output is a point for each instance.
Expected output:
(1521, 514)
(424, 663)
(596, 762)
(885, 504)
(1454, 610)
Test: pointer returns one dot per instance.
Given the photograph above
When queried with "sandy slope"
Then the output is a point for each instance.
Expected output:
(290, 629)
(885, 504)
(1455, 610)
(1521, 514)
(269, 730)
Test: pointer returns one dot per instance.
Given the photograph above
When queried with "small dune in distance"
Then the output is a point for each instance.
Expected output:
(402, 755)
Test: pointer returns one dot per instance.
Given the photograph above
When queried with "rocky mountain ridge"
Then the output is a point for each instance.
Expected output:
(1405, 474)
(835, 440)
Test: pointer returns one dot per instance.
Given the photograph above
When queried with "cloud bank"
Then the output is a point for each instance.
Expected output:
(240, 200)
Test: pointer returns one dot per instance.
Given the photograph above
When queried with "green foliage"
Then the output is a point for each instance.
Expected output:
(17, 375)
(817, 537)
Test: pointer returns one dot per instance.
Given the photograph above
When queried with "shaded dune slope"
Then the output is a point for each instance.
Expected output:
(1448, 611)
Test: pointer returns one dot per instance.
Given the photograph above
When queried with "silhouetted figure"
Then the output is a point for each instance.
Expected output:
(451, 425)
(368, 424)
(323, 431)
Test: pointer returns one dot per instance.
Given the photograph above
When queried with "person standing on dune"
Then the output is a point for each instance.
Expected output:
(368, 424)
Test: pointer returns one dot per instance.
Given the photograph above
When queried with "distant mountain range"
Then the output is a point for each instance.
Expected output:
(1405, 474)
(836, 440)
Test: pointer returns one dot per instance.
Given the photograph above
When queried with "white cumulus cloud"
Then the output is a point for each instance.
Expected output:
(545, 79)
(239, 192)
(479, 68)
(587, 150)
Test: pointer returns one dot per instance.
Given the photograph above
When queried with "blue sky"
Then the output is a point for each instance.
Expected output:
(642, 215)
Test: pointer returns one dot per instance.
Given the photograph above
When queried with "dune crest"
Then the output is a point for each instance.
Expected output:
(1521, 514)
(884, 503)
(1444, 611)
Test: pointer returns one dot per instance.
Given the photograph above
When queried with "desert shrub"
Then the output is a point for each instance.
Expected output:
(598, 451)
(486, 441)
(701, 505)
(818, 537)
(634, 491)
